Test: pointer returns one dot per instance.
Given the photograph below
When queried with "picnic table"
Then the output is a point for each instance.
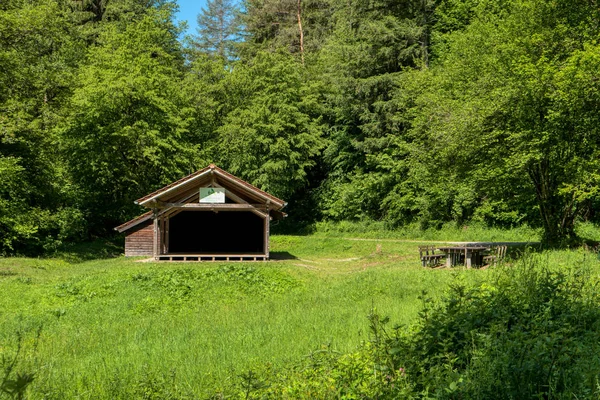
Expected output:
(472, 255)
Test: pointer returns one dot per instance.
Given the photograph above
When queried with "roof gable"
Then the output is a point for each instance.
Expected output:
(186, 190)
(211, 176)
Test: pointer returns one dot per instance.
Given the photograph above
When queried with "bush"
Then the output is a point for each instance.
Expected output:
(528, 332)
(323, 374)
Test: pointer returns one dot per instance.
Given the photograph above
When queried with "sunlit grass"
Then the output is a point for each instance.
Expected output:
(449, 232)
(109, 322)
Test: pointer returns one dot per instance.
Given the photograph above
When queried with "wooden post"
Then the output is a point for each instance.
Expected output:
(267, 229)
(267, 225)
(162, 235)
(167, 235)
(468, 256)
(155, 234)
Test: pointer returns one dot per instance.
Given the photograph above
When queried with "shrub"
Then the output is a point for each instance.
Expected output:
(527, 332)
(323, 374)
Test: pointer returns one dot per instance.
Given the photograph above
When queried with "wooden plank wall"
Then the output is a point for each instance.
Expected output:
(140, 240)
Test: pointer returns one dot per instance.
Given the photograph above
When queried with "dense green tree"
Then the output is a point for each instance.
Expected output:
(90, 10)
(371, 47)
(299, 26)
(127, 130)
(272, 134)
(205, 93)
(39, 53)
(505, 127)
(403, 110)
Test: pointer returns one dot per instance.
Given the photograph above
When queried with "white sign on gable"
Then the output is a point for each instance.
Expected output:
(212, 195)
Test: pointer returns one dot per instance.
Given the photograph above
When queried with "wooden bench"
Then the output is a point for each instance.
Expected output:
(428, 256)
(497, 254)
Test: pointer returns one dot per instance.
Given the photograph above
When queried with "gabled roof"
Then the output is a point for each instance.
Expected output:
(203, 175)
(134, 222)
(178, 190)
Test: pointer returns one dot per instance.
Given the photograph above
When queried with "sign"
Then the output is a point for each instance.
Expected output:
(212, 195)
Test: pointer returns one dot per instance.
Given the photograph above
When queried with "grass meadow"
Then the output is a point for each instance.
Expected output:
(89, 324)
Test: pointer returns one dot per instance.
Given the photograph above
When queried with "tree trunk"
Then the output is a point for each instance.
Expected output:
(301, 31)
(558, 215)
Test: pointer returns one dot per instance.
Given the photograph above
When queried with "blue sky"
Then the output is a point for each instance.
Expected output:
(188, 11)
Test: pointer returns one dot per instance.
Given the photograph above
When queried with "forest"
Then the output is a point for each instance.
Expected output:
(410, 112)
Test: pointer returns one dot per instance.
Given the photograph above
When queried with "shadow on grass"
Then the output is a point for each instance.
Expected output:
(99, 249)
(573, 243)
(281, 255)
(293, 228)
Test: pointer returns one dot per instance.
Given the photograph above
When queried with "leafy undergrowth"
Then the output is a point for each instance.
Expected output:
(230, 282)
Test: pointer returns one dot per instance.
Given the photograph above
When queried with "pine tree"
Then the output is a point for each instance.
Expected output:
(219, 28)
(300, 26)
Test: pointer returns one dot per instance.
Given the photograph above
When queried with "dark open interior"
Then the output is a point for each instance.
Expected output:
(225, 232)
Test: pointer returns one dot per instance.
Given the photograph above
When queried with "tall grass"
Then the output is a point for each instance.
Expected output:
(109, 323)
(588, 231)
(117, 328)
(448, 232)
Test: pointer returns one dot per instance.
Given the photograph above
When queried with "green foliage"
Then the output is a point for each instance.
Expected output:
(401, 112)
(127, 118)
(494, 113)
(171, 288)
(273, 25)
(118, 328)
(38, 54)
(123, 329)
(47, 197)
(273, 134)
(363, 62)
(528, 332)
(324, 373)
(156, 386)
(28, 229)
(450, 231)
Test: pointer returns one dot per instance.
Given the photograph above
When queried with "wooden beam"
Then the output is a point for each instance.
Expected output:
(216, 206)
(175, 188)
(190, 195)
(237, 198)
(245, 187)
(249, 193)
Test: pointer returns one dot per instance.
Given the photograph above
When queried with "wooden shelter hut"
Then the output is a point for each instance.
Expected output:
(208, 215)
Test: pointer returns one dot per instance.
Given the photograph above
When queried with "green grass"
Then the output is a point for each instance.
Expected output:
(114, 324)
(449, 232)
